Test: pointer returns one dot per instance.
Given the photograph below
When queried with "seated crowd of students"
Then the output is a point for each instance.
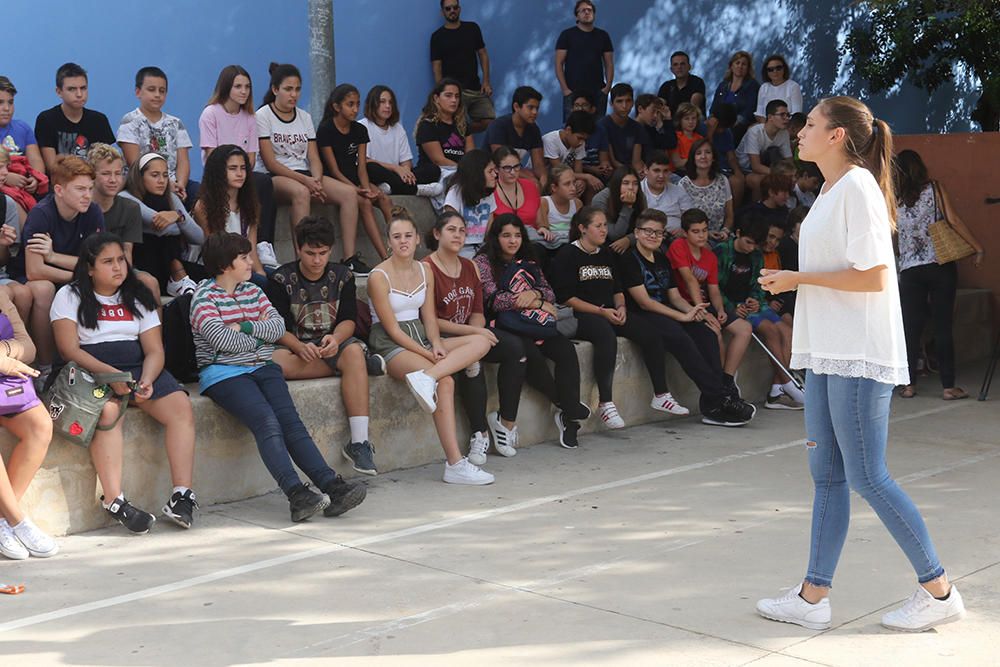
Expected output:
(605, 227)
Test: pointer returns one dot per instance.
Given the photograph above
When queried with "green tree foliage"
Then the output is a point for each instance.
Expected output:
(923, 40)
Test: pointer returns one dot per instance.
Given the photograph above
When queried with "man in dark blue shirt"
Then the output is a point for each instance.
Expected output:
(454, 49)
(585, 58)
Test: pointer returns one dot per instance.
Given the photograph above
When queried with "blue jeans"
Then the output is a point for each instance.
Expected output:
(847, 428)
(260, 400)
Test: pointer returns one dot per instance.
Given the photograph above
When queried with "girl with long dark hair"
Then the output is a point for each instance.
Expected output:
(167, 225)
(343, 147)
(227, 202)
(105, 321)
(922, 280)
(849, 336)
(229, 118)
(512, 282)
(622, 202)
(470, 194)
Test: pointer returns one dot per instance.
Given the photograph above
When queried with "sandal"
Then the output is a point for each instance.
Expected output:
(954, 394)
(907, 391)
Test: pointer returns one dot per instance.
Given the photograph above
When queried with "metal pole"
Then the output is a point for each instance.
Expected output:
(322, 74)
(795, 380)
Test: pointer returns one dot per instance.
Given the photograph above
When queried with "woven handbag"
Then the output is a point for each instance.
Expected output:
(949, 246)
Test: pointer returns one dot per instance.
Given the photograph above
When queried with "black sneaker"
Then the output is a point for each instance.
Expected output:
(362, 456)
(344, 496)
(567, 431)
(133, 518)
(180, 508)
(304, 502)
(729, 412)
(375, 364)
(356, 266)
(732, 389)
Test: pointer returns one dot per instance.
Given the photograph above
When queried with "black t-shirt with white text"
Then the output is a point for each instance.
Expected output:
(590, 277)
(451, 140)
(457, 50)
(345, 147)
(54, 130)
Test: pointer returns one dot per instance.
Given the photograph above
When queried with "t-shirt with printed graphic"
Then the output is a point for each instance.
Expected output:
(656, 276)
(16, 136)
(704, 268)
(345, 147)
(554, 149)
(313, 308)
(477, 217)
(737, 287)
(114, 321)
(166, 136)
(452, 141)
(289, 140)
(54, 130)
(588, 276)
(457, 299)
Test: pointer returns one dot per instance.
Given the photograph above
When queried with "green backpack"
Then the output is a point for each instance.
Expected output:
(77, 398)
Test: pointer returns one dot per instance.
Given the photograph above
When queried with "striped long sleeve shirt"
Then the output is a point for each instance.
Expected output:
(213, 309)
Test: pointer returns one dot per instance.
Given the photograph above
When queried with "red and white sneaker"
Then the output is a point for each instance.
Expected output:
(667, 403)
(610, 416)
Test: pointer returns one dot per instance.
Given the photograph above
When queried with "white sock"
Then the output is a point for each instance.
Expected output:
(359, 428)
(775, 389)
(793, 391)
(121, 497)
(181, 489)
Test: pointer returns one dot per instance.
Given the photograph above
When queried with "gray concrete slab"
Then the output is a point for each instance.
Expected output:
(646, 546)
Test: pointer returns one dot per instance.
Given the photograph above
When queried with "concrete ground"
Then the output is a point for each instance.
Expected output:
(647, 546)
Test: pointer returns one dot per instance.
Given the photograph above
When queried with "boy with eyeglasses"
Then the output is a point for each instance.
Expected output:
(764, 144)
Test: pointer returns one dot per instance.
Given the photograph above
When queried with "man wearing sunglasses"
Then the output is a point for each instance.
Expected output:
(585, 59)
(455, 47)
(764, 144)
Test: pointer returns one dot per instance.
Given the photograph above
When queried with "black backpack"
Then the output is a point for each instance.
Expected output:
(178, 343)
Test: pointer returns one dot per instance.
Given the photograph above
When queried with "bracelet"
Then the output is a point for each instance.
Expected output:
(6, 344)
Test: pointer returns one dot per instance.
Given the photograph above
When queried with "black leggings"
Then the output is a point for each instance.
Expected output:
(696, 349)
(604, 336)
(265, 195)
(521, 359)
(935, 283)
(426, 172)
(155, 254)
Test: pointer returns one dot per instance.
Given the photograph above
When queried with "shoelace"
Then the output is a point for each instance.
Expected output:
(916, 603)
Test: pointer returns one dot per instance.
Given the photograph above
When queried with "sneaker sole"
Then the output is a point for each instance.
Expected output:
(350, 500)
(427, 407)
(176, 518)
(714, 422)
(305, 514)
(795, 621)
(16, 556)
(372, 472)
(559, 427)
(924, 628)
(44, 554)
(779, 406)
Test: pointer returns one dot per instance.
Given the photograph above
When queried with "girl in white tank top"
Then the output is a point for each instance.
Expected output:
(405, 332)
(557, 209)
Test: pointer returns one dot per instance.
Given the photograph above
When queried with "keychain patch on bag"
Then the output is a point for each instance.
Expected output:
(55, 410)
(100, 391)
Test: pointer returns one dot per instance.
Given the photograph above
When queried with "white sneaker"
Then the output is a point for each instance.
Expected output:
(504, 439)
(923, 611)
(385, 187)
(464, 472)
(791, 608)
(474, 369)
(34, 540)
(424, 389)
(10, 546)
(478, 444)
(182, 286)
(797, 394)
(610, 416)
(265, 253)
(430, 189)
(667, 403)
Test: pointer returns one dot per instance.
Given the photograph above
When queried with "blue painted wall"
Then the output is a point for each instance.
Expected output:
(387, 42)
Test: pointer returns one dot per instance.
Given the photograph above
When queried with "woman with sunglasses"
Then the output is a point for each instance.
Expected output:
(777, 85)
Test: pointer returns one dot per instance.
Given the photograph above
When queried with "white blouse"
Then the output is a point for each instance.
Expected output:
(788, 91)
(851, 334)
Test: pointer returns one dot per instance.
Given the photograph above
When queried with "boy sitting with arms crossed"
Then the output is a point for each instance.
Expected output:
(317, 298)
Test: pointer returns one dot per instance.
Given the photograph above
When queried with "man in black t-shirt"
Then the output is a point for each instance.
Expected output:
(317, 298)
(68, 128)
(455, 47)
(585, 59)
(518, 130)
(684, 87)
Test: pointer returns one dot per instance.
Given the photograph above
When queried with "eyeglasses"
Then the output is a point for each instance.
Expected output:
(451, 8)
(651, 232)
(509, 168)
(775, 68)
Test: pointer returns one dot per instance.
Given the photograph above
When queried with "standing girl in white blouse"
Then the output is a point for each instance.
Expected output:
(849, 336)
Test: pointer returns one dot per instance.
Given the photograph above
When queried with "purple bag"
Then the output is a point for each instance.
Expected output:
(16, 394)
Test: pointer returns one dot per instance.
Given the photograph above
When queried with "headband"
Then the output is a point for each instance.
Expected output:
(149, 157)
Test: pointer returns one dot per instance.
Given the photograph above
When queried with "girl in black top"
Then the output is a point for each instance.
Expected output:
(583, 275)
(343, 145)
